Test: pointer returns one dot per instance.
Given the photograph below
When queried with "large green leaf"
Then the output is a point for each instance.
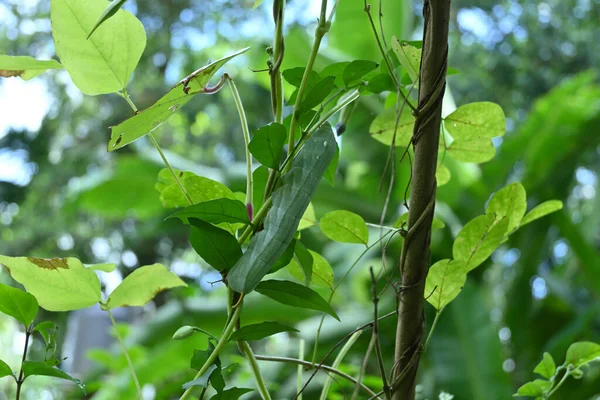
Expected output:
(345, 226)
(478, 239)
(476, 121)
(409, 56)
(290, 201)
(139, 287)
(260, 331)
(475, 151)
(58, 284)
(215, 211)
(509, 202)
(18, 304)
(198, 188)
(445, 280)
(25, 67)
(105, 62)
(383, 126)
(31, 368)
(356, 70)
(215, 245)
(267, 144)
(317, 94)
(534, 389)
(541, 210)
(546, 367)
(151, 118)
(5, 370)
(581, 353)
(295, 295)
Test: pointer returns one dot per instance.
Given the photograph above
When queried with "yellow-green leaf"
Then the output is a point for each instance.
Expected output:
(478, 239)
(25, 67)
(541, 210)
(581, 353)
(546, 367)
(58, 284)
(18, 304)
(409, 56)
(442, 175)
(139, 287)
(475, 151)
(322, 273)
(475, 121)
(345, 226)
(509, 202)
(308, 218)
(383, 126)
(198, 187)
(445, 280)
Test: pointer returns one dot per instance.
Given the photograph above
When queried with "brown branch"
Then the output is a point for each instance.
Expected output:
(416, 249)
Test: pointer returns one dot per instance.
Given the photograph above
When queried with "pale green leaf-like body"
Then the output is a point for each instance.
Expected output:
(25, 67)
(478, 239)
(58, 284)
(382, 127)
(31, 368)
(290, 201)
(541, 210)
(139, 287)
(105, 62)
(409, 56)
(322, 273)
(483, 120)
(581, 353)
(445, 281)
(509, 202)
(151, 118)
(546, 367)
(345, 226)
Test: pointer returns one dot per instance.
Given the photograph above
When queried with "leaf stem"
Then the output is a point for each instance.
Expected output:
(126, 354)
(23, 359)
(262, 388)
(260, 215)
(310, 365)
(246, 134)
(433, 325)
(299, 372)
(278, 53)
(559, 384)
(213, 356)
(338, 361)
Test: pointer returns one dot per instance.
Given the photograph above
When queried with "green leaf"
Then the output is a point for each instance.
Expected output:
(337, 71)
(285, 258)
(48, 331)
(58, 284)
(356, 70)
(260, 176)
(108, 267)
(445, 281)
(31, 368)
(260, 331)
(231, 394)
(104, 63)
(304, 259)
(199, 188)
(409, 56)
(295, 295)
(533, 389)
(381, 83)
(478, 239)
(546, 367)
(139, 287)
(308, 218)
(382, 127)
(541, 210)
(200, 356)
(317, 94)
(345, 226)
(294, 77)
(202, 380)
(509, 202)
(476, 151)
(332, 167)
(442, 175)
(215, 245)
(110, 10)
(5, 370)
(290, 201)
(474, 121)
(25, 67)
(215, 211)
(18, 304)
(267, 144)
(581, 353)
(148, 120)
(322, 273)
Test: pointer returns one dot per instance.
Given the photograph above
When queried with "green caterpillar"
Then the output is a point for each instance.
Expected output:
(290, 200)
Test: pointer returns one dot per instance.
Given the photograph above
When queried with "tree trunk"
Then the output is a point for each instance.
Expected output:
(415, 257)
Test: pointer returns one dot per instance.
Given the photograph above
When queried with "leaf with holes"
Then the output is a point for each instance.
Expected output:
(290, 201)
(509, 202)
(58, 284)
(139, 287)
(445, 281)
(31, 368)
(105, 62)
(215, 245)
(18, 304)
(541, 210)
(148, 120)
(475, 121)
(25, 67)
(295, 295)
(322, 273)
(260, 331)
(478, 239)
(267, 144)
(345, 226)
(215, 211)
(383, 126)
(409, 56)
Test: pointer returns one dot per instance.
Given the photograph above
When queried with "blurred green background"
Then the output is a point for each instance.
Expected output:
(62, 194)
